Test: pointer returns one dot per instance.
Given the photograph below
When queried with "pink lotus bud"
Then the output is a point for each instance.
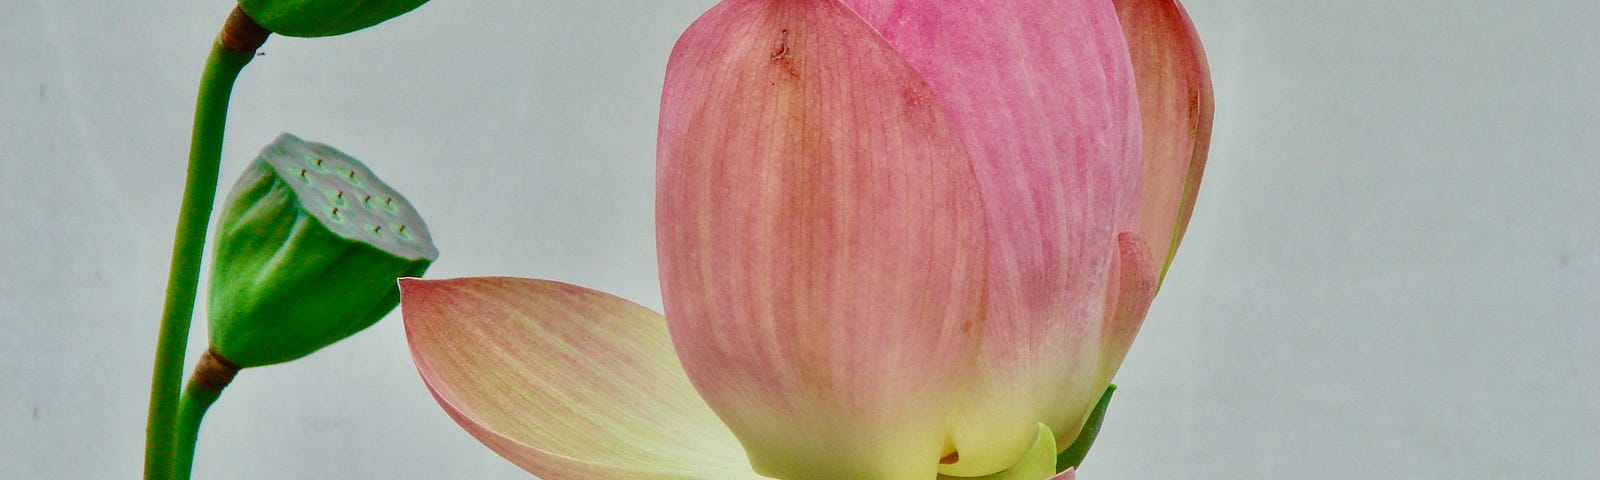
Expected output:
(898, 240)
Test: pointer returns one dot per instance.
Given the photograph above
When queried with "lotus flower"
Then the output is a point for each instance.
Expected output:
(897, 240)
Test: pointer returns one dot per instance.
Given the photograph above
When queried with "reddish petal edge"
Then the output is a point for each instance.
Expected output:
(1175, 101)
(1134, 275)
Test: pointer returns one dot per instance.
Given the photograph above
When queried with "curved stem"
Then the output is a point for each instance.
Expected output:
(211, 375)
(234, 48)
(191, 409)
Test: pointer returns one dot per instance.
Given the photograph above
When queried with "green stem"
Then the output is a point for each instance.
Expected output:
(191, 410)
(234, 48)
(211, 375)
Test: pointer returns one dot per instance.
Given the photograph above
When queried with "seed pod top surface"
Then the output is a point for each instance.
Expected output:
(349, 199)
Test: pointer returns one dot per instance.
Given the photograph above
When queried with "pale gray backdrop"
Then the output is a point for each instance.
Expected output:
(1393, 272)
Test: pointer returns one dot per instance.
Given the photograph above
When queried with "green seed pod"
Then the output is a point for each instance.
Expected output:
(322, 18)
(307, 253)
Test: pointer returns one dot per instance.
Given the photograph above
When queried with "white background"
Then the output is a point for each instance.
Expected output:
(1393, 271)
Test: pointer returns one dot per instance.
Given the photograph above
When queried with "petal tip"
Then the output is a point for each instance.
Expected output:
(411, 288)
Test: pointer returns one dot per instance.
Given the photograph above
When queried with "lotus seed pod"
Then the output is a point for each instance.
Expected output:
(307, 253)
(322, 18)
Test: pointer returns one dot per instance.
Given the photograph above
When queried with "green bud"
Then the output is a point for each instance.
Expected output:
(322, 18)
(307, 253)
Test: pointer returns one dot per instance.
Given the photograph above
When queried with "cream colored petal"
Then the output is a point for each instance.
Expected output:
(566, 382)
(1037, 464)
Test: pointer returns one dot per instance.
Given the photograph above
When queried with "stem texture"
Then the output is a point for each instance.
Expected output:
(211, 375)
(234, 48)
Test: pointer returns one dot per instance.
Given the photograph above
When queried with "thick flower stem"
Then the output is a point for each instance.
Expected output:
(211, 375)
(234, 48)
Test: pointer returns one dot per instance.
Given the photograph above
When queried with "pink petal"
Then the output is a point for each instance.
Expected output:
(1066, 475)
(1043, 93)
(1175, 99)
(567, 383)
(821, 241)
(1134, 275)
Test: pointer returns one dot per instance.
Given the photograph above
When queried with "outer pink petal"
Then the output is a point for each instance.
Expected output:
(1066, 475)
(821, 241)
(1175, 99)
(1134, 276)
(566, 382)
(1043, 93)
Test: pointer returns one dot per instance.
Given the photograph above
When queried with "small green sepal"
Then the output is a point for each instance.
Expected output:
(323, 18)
(308, 250)
(1072, 457)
